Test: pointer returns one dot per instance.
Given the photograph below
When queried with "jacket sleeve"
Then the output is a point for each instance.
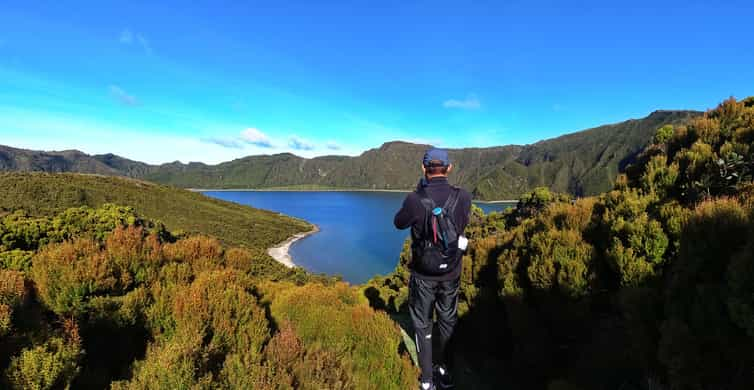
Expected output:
(406, 216)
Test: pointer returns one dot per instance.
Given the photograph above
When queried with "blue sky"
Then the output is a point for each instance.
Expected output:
(214, 81)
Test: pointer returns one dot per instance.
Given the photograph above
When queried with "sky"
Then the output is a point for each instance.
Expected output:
(160, 81)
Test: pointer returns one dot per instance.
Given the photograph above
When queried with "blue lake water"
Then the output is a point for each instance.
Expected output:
(357, 238)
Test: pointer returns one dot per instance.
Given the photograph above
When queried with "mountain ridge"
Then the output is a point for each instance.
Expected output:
(581, 163)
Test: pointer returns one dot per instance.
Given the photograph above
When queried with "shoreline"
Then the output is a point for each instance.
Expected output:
(294, 190)
(326, 190)
(280, 252)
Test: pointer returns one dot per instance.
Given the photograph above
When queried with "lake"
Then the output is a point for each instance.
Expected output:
(357, 238)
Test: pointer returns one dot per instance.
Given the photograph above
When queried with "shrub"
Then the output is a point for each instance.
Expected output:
(239, 258)
(98, 222)
(531, 203)
(560, 259)
(68, 274)
(637, 249)
(217, 306)
(12, 294)
(569, 216)
(634, 243)
(135, 256)
(740, 276)
(200, 252)
(291, 365)
(335, 321)
(701, 341)
(663, 135)
(16, 259)
(659, 178)
(219, 332)
(52, 364)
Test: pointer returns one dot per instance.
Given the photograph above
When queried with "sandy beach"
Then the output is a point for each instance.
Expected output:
(280, 252)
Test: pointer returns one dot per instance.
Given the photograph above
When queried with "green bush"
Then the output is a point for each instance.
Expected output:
(560, 259)
(650, 283)
(663, 135)
(701, 342)
(16, 259)
(53, 364)
(336, 321)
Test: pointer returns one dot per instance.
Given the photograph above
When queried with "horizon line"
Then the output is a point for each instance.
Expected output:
(346, 155)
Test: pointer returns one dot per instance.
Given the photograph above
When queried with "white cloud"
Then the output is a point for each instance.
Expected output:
(224, 142)
(470, 103)
(255, 137)
(300, 143)
(122, 97)
(191, 138)
(332, 145)
(144, 43)
(128, 37)
(39, 130)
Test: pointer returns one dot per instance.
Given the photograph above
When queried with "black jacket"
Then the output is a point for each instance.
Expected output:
(412, 212)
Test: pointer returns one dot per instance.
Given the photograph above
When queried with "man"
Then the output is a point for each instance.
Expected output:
(436, 211)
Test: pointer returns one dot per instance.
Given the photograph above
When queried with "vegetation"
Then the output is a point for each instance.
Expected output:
(582, 163)
(105, 297)
(647, 286)
(182, 212)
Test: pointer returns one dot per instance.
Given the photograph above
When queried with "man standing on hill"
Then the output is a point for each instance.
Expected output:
(437, 214)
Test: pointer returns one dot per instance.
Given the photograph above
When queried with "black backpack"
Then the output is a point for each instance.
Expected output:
(435, 248)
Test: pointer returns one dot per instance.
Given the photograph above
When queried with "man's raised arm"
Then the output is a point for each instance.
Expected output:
(406, 216)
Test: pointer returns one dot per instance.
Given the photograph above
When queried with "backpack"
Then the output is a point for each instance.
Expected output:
(435, 249)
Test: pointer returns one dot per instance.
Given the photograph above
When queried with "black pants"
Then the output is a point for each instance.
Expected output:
(424, 296)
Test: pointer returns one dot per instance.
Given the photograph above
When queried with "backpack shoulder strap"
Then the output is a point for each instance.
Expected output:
(426, 200)
(452, 202)
(428, 205)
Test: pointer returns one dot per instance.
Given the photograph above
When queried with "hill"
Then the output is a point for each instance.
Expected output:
(581, 163)
(42, 194)
(647, 286)
(95, 298)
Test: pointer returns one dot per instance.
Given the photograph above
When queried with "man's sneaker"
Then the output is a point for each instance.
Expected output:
(427, 386)
(443, 378)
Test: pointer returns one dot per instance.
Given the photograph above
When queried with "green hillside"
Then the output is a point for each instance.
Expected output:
(582, 163)
(180, 210)
(95, 292)
(94, 298)
(647, 286)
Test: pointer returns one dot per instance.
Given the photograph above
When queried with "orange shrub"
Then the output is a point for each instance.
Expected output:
(201, 252)
(217, 335)
(239, 258)
(574, 216)
(12, 294)
(67, 274)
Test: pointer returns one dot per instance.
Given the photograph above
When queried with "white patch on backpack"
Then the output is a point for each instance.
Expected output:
(443, 266)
